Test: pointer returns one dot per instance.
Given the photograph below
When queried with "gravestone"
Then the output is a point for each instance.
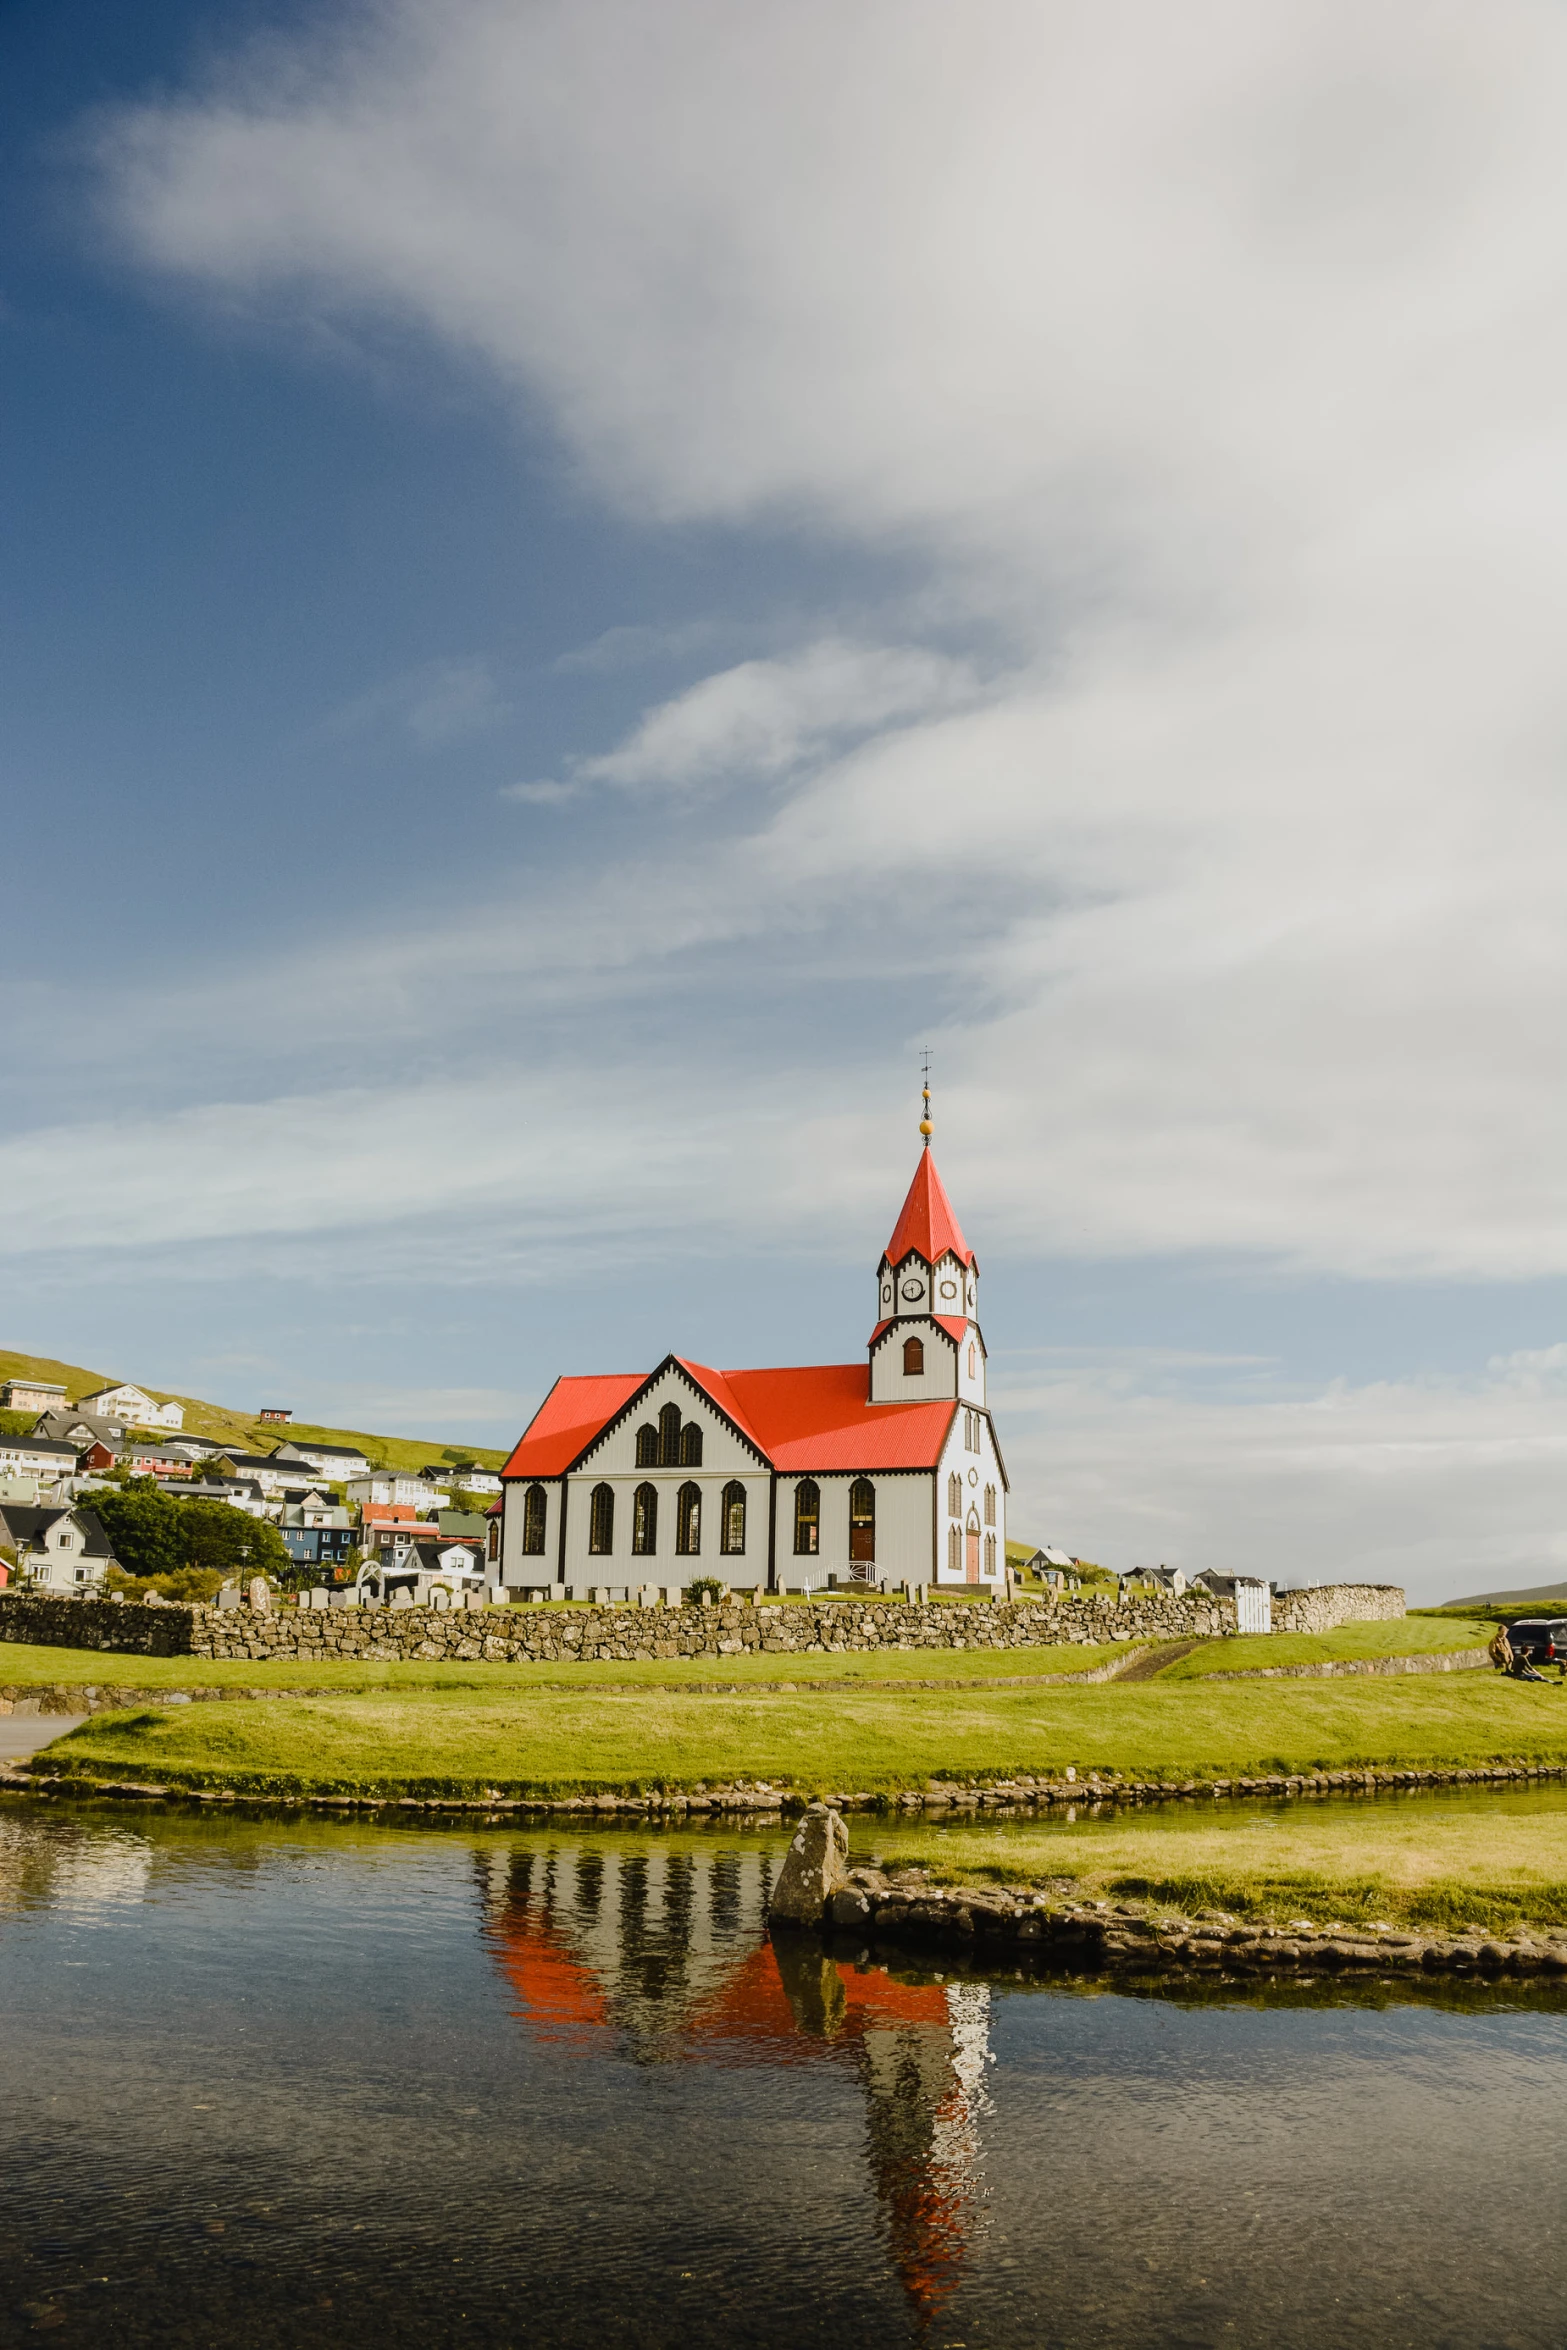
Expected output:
(401, 1597)
(261, 1595)
(229, 1596)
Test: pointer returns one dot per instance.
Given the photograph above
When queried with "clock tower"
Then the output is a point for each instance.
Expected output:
(927, 1343)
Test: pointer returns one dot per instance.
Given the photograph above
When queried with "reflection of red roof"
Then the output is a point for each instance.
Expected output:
(927, 1226)
(561, 1998)
(817, 1416)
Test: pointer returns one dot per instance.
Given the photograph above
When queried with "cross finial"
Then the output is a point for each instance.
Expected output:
(926, 1127)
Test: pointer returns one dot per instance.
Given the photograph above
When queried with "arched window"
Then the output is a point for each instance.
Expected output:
(669, 1436)
(954, 1495)
(733, 1521)
(495, 1538)
(973, 1361)
(990, 1505)
(990, 1556)
(913, 1358)
(971, 1547)
(644, 1522)
(647, 1446)
(691, 1445)
(954, 1550)
(534, 1505)
(862, 1522)
(807, 1519)
(601, 1521)
(688, 1521)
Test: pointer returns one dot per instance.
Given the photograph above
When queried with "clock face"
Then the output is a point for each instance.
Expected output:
(949, 1289)
(913, 1291)
(886, 1293)
(971, 1293)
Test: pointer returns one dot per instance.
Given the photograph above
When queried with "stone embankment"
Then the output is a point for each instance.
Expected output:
(1453, 1660)
(817, 1889)
(552, 1634)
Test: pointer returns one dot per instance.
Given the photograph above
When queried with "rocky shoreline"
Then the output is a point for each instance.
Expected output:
(870, 1905)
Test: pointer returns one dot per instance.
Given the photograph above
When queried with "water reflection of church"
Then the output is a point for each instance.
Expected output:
(659, 1951)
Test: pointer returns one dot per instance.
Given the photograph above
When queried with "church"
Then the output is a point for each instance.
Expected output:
(870, 1473)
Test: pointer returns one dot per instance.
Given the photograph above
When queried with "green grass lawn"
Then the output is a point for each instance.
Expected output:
(1425, 1861)
(1406, 1636)
(554, 1740)
(21, 1665)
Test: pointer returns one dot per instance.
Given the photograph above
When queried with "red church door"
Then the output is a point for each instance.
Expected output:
(973, 1548)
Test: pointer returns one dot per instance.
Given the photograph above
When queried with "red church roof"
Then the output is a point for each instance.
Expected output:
(817, 1416)
(927, 1225)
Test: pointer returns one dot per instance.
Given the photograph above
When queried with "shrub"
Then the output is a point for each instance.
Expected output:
(705, 1586)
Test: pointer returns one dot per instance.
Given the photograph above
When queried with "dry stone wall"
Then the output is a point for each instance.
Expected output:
(552, 1634)
(1332, 1604)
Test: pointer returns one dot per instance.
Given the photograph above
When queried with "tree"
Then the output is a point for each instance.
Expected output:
(145, 1528)
(227, 1541)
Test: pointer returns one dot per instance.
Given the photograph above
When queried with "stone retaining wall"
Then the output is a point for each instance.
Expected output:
(552, 1634)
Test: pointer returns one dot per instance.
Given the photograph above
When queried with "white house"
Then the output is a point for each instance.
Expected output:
(42, 1457)
(880, 1471)
(386, 1488)
(335, 1462)
(56, 1549)
(133, 1407)
(461, 1477)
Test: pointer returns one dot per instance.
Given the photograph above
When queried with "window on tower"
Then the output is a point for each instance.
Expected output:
(807, 1519)
(601, 1521)
(973, 1361)
(733, 1521)
(644, 1522)
(913, 1358)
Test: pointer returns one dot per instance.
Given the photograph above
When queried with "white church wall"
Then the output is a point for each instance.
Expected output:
(616, 1453)
(975, 1470)
(663, 1564)
(516, 1568)
(903, 1530)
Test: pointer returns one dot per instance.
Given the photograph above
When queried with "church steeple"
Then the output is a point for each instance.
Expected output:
(927, 1342)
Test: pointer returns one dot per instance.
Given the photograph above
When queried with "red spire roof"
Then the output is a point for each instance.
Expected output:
(927, 1224)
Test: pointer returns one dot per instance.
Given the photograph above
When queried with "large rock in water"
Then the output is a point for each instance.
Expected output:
(814, 1867)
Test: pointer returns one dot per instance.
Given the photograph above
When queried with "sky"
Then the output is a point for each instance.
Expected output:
(581, 584)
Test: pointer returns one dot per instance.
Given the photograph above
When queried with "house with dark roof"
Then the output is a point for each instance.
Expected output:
(58, 1549)
(881, 1471)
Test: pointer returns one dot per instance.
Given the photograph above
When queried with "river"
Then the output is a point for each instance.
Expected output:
(270, 2080)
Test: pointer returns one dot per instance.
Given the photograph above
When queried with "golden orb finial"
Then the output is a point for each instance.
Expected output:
(926, 1127)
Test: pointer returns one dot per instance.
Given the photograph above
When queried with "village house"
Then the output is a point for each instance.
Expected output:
(133, 1407)
(396, 1489)
(882, 1471)
(317, 1532)
(461, 1476)
(335, 1462)
(30, 1395)
(40, 1457)
(64, 1424)
(59, 1548)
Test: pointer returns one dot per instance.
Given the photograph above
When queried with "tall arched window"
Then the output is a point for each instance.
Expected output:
(973, 1361)
(647, 1446)
(495, 1538)
(807, 1519)
(534, 1506)
(669, 1436)
(990, 1556)
(644, 1522)
(913, 1358)
(971, 1547)
(862, 1522)
(954, 1550)
(954, 1495)
(691, 1445)
(688, 1521)
(732, 1542)
(601, 1521)
(990, 1505)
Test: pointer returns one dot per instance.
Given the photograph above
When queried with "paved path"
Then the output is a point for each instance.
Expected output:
(23, 1734)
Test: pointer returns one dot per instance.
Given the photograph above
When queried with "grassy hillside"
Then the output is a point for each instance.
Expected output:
(242, 1429)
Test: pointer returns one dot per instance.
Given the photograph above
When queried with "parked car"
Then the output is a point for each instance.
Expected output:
(1543, 1639)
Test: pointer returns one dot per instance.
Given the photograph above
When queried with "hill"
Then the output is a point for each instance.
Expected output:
(243, 1429)
(1538, 1595)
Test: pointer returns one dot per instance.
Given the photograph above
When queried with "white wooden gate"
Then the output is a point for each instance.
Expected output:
(1253, 1604)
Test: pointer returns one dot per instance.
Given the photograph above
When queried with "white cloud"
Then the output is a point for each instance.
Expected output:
(1448, 1486)
(438, 703)
(1212, 359)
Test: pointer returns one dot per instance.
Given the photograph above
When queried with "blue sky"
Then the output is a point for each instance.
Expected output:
(580, 583)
